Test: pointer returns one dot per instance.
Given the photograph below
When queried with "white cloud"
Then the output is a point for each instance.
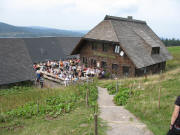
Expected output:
(162, 15)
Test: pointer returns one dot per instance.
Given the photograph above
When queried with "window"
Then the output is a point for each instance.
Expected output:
(105, 47)
(155, 50)
(84, 60)
(103, 64)
(159, 65)
(93, 63)
(125, 56)
(94, 46)
(126, 70)
(115, 67)
(143, 70)
(117, 49)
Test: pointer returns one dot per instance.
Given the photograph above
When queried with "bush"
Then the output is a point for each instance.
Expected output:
(56, 105)
(111, 89)
(2, 118)
(122, 96)
(107, 75)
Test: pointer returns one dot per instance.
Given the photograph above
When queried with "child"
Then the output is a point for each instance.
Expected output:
(41, 80)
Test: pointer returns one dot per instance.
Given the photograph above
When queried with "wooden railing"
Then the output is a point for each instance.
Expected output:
(52, 77)
(57, 79)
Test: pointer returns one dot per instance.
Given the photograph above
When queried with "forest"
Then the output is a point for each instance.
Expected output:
(171, 42)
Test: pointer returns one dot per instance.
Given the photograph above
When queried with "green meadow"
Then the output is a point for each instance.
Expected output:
(61, 111)
(29, 110)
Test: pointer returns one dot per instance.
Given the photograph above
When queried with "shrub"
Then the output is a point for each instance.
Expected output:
(111, 89)
(122, 96)
(2, 118)
(107, 75)
(56, 105)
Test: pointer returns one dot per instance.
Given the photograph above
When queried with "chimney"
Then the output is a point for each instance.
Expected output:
(130, 18)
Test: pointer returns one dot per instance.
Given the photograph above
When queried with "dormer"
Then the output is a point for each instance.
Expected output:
(155, 50)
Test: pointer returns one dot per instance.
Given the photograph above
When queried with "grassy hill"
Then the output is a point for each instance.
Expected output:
(7, 30)
(60, 111)
(143, 94)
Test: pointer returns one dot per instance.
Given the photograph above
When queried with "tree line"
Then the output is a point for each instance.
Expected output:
(171, 42)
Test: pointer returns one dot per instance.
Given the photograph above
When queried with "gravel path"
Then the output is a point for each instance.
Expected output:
(119, 120)
(51, 84)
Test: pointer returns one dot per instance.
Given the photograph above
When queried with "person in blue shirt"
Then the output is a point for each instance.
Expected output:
(41, 80)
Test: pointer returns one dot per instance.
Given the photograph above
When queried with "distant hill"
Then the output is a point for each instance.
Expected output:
(7, 30)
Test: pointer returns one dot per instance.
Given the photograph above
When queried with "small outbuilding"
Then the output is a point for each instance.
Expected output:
(123, 46)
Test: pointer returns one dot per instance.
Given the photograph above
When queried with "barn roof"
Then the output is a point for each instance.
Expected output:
(134, 36)
(16, 64)
(50, 48)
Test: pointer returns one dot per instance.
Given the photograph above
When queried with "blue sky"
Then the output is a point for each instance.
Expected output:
(163, 16)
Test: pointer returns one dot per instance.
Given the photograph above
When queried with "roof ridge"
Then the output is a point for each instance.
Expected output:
(91, 29)
(114, 30)
(122, 45)
(129, 19)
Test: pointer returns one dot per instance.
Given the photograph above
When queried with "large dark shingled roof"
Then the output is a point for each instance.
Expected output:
(16, 64)
(50, 48)
(17, 55)
(134, 36)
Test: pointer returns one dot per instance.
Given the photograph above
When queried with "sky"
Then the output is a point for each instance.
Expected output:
(163, 16)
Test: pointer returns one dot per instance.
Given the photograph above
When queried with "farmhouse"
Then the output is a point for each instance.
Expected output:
(123, 46)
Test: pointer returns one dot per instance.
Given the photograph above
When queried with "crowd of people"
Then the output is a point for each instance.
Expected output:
(67, 70)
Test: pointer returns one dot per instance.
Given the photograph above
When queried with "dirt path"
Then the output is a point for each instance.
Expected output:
(120, 121)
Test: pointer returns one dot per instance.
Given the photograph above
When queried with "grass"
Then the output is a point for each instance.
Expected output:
(175, 62)
(79, 120)
(18, 96)
(144, 105)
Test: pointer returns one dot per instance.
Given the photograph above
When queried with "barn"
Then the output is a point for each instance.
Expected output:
(16, 64)
(17, 56)
(123, 46)
(50, 48)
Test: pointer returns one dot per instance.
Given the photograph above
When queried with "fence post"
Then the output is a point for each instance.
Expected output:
(87, 81)
(159, 97)
(95, 124)
(116, 85)
(87, 94)
(146, 76)
(38, 106)
(139, 86)
(134, 84)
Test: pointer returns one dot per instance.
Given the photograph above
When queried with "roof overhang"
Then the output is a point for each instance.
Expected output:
(77, 49)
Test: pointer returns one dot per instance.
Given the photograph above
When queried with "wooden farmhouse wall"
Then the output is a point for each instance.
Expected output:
(98, 53)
